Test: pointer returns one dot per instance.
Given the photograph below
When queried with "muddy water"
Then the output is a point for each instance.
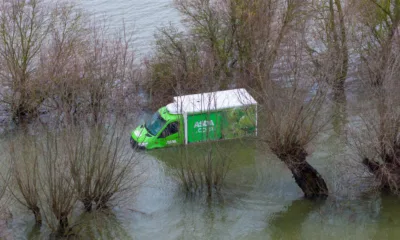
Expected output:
(260, 201)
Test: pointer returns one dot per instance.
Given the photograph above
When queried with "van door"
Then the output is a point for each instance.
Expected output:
(170, 135)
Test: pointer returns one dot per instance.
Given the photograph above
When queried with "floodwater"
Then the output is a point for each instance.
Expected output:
(260, 199)
(141, 17)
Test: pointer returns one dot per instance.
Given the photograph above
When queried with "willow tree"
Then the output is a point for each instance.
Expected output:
(379, 143)
(206, 22)
(175, 66)
(108, 69)
(259, 30)
(273, 63)
(61, 62)
(327, 44)
(291, 116)
(327, 20)
(24, 25)
(235, 37)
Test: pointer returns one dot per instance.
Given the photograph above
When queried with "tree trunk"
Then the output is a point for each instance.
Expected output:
(87, 205)
(38, 216)
(20, 114)
(339, 109)
(307, 178)
(387, 173)
(63, 225)
(102, 201)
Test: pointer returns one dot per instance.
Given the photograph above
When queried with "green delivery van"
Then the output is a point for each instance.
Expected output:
(198, 118)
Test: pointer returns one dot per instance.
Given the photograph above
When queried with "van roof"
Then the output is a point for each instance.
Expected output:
(211, 101)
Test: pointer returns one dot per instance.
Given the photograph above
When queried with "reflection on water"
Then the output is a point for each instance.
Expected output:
(288, 223)
(101, 225)
(389, 219)
(96, 225)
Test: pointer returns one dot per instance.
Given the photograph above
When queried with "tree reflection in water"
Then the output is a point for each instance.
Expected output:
(287, 224)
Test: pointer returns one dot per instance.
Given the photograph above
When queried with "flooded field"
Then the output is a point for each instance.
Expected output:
(260, 200)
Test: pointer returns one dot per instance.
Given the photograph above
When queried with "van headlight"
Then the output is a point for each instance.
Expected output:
(137, 133)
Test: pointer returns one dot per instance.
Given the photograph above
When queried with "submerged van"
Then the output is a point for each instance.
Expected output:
(198, 118)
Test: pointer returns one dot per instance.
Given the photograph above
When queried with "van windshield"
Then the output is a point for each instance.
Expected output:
(155, 124)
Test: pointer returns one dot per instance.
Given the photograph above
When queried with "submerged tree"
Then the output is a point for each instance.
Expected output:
(24, 25)
(332, 58)
(87, 66)
(57, 184)
(289, 124)
(54, 57)
(202, 169)
(378, 139)
(327, 46)
(179, 66)
(291, 115)
(222, 37)
(61, 64)
(102, 166)
(25, 186)
(260, 28)
(208, 24)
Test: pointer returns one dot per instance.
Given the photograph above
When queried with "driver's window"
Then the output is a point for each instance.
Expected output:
(172, 128)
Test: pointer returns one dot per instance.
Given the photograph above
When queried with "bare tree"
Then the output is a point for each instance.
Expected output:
(24, 26)
(292, 115)
(102, 166)
(61, 61)
(108, 68)
(87, 66)
(224, 36)
(260, 28)
(57, 185)
(179, 66)
(327, 46)
(202, 169)
(207, 23)
(25, 188)
(378, 141)
(290, 124)
(331, 59)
